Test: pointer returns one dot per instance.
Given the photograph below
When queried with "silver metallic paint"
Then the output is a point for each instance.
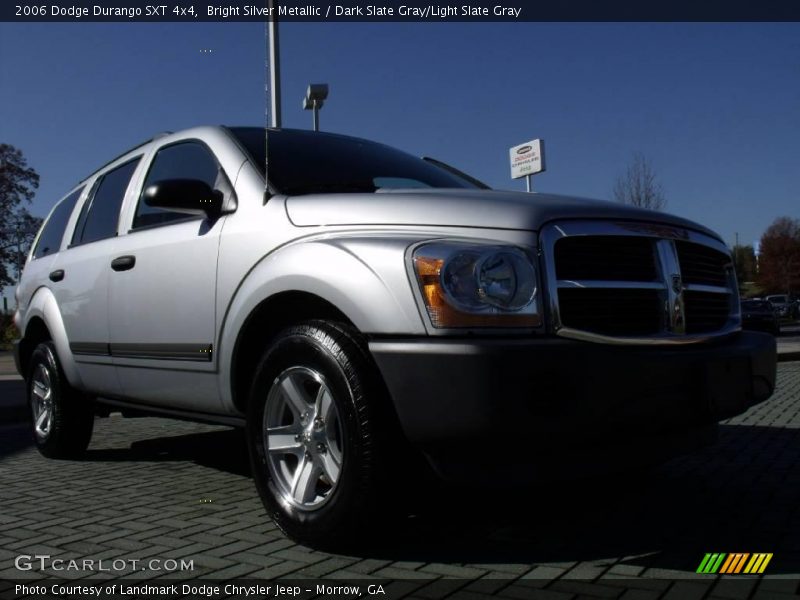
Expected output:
(352, 250)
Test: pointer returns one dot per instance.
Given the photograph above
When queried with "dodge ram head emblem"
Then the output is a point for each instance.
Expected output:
(677, 283)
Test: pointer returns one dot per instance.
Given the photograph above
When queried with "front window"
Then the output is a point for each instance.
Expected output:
(184, 160)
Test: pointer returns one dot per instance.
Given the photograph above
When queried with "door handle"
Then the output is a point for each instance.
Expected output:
(57, 275)
(123, 263)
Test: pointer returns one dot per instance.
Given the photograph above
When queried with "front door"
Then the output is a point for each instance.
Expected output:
(162, 292)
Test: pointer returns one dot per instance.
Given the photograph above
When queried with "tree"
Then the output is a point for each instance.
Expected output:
(18, 184)
(779, 257)
(639, 186)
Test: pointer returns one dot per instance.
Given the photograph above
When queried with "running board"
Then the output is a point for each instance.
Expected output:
(184, 415)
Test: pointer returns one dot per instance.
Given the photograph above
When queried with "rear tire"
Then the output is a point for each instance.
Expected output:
(317, 430)
(62, 419)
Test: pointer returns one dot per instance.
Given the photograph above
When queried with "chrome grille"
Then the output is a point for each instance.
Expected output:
(626, 282)
(705, 312)
(611, 312)
(702, 265)
(617, 258)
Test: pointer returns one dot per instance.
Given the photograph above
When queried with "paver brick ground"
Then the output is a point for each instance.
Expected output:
(157, 489)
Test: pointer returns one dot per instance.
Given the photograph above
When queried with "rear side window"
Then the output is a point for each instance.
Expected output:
(185, 160)
(53, 231)
(100, 213)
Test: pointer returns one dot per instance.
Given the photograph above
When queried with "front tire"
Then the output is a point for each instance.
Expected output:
(314, 427)
(62, 419)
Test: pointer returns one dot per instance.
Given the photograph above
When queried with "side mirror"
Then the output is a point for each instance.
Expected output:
(190, 196)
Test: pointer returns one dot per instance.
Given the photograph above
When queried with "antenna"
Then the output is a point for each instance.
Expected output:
(267, 89)
(273, 84)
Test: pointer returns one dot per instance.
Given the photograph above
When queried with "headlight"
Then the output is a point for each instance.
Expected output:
(469, 285)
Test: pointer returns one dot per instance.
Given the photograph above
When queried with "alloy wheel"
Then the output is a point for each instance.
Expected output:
(303, 438)
(42, 402)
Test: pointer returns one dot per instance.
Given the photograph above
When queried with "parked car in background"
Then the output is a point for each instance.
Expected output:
(784, 307)
(794, 307)
(759, 315)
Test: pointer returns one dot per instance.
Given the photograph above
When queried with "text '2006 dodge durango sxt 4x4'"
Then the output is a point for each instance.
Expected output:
(363, 306)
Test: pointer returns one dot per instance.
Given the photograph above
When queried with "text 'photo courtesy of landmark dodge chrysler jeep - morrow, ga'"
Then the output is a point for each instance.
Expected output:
(365, 308)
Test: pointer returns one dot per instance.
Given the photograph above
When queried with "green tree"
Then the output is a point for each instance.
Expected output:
(18, 184)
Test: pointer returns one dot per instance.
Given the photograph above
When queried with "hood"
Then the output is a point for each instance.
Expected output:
(463, 208)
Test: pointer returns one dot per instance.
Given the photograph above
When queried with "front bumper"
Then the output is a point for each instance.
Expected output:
(457, 400)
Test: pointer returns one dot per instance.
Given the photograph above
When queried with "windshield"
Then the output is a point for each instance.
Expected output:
(308, 162)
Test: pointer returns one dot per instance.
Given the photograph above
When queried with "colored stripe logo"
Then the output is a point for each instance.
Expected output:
(735, 563)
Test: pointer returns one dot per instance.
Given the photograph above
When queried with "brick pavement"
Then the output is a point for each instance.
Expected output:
(154, 488)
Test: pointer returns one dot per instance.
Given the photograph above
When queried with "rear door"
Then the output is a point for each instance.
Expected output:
(84, 269)
(38, 271)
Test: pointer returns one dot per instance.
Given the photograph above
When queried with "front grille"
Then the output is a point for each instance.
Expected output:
(629, 280)
(621, 312)
(702, 265)
(706, 312)
(613, 258)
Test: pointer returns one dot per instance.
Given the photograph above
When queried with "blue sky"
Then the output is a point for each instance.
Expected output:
(715, 107)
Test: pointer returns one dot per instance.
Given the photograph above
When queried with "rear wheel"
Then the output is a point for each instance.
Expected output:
(62, 419)
(316, 433)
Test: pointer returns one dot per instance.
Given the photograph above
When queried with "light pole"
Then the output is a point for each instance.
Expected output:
(274, 67)
(314, 99)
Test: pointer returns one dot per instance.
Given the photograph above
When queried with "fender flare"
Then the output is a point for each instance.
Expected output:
(357, 290)
(44, 305)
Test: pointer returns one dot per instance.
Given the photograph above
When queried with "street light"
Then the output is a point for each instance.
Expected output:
(274, 67)
(315, 98)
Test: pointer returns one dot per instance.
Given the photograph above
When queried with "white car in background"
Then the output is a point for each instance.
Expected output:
(784, 308)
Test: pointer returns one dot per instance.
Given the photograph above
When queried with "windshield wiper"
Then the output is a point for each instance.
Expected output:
(331, 188)
(457, 172)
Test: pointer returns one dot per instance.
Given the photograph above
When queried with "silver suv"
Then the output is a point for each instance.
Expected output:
(370, 308)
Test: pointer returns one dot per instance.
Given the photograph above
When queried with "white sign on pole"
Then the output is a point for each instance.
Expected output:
(527, 159)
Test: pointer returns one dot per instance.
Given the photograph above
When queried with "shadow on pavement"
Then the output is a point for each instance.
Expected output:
(14, 433)
(224, 450)
(13, 408)
(742, 495)
(13, 439)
